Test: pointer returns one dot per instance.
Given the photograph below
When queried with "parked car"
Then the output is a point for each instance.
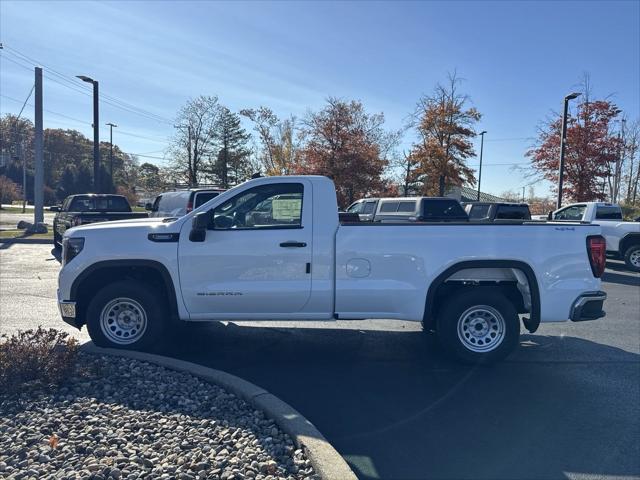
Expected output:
(181, 202)
(90, 208)
(419, 209)
(623, 238)
(492, 211)
(129, 282)
(365, 208)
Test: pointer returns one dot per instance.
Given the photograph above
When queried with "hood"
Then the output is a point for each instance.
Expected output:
(148, 224)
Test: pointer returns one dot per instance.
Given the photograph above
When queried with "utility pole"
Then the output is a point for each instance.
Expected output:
(24, 175)
(563, 141)
(111, 125)
(38, 182)
(522, 194)
(480, 170)
(96, 132)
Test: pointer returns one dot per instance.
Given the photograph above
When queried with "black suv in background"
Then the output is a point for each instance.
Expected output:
(181, 202)
(492, 211)
(90, 208)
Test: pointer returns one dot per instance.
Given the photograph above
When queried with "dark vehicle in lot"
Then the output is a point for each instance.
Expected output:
(180, 202)
(491, 211)
(419, 209)
(90, 208)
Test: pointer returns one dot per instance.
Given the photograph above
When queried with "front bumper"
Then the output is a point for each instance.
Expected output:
(588, 306)
(68, 313)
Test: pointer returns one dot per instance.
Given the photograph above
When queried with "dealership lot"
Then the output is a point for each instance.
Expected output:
(564, 406)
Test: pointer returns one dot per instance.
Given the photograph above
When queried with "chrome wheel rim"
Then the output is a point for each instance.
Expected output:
(634, 258)
(481, 328)
(123, 321)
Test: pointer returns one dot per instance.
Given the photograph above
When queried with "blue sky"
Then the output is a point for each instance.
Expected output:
(518, 60)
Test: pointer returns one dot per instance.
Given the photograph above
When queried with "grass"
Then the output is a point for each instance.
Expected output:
(15, 233)
(19, 210)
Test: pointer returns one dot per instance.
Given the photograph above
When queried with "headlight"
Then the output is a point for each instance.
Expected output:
(71, 247)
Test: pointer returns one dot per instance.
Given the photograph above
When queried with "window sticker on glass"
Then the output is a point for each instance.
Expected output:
(286, 208)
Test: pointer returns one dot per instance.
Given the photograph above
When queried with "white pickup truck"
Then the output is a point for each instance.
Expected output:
(273, 248)
(623, 238)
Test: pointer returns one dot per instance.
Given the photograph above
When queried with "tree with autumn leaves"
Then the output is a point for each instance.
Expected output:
(591, 151)
(445, 126)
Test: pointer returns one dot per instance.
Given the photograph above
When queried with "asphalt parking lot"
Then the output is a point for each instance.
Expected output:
(565, 405)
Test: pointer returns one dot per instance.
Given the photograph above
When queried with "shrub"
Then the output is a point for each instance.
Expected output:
(35, 359)
(9, 190)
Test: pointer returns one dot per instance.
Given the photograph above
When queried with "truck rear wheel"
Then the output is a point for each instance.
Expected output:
(632, 258)
(478, 325)
(127, 315)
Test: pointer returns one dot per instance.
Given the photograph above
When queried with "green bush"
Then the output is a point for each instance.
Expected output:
(35, 359)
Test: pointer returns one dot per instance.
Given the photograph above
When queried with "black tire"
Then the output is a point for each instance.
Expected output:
(57, 241)
(494, 321)
(632, 258)
(141, 299)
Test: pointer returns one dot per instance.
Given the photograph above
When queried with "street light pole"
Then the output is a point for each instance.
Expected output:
(563, 142)
(480, 170)
(111, 125)
(96, 132)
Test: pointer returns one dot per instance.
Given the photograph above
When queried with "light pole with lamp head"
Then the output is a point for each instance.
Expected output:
(480, 170)
(563, 141)
(96, 132)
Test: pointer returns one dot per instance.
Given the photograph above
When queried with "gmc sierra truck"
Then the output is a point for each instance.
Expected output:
(273, 248)
(623, 238)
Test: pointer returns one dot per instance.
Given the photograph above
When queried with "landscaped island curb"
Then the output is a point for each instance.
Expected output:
(326, 461)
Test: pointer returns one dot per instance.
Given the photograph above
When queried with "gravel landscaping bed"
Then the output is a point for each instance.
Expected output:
(124, 419)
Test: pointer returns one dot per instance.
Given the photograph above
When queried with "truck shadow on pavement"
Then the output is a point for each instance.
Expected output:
(395, 407)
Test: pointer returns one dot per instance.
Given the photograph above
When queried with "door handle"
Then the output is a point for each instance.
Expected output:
(293, 244)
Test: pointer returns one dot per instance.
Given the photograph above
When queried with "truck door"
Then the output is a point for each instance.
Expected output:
(255, 259)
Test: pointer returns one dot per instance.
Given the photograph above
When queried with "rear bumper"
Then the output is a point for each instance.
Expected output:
(588, 306)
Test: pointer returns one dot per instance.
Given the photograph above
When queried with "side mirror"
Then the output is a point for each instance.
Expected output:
(55, 208)
(222, 222)
(550, 216)
(148, 206)
(199, 226)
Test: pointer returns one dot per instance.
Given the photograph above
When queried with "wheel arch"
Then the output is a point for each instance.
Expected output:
(105, 272)
(436, 288)
(627, 241)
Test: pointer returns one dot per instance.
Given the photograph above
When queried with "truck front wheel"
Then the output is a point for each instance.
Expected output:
(632, 258)
(127, 315)
(478, 325)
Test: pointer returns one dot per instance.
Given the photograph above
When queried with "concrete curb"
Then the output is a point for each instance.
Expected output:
(38, 241)
(326, 461)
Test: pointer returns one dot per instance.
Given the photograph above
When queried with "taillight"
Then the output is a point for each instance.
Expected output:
(189, 206)
(597, 250)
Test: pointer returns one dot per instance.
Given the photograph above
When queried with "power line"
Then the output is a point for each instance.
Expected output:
(71, 84)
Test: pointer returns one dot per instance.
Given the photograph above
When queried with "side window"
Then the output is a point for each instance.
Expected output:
(156, 203)
(267, 206)
(65, 205)
(82, 204)
(608, 213)
(204, 197)
(369, 208)
(508, 212)
(574, 212)
(388, 207)
(355, 208)
(407, 207)
(478, 212)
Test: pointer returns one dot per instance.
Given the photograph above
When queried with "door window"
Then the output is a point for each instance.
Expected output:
(388, 207)
(267, 206)
(356, 207)
(369, 208)
(575, 212)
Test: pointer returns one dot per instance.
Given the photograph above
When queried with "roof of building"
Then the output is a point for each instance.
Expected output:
(468, 194)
